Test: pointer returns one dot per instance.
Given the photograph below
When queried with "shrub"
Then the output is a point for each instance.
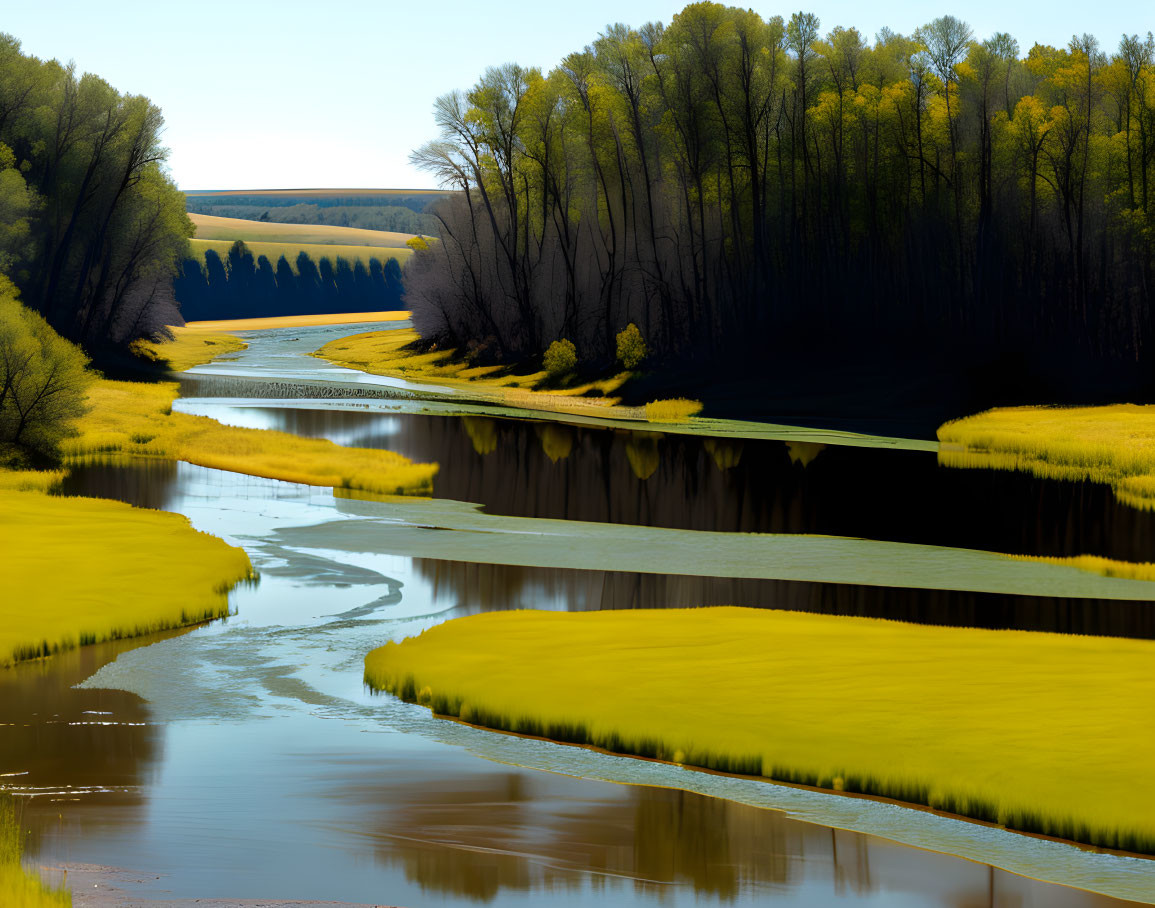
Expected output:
(560, 358)
(43, 379)
(672, 410)
(631, 347)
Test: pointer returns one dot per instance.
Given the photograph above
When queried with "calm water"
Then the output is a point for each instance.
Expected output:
(246, 759)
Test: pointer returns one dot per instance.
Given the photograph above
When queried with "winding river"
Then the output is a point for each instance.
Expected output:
(245, 759)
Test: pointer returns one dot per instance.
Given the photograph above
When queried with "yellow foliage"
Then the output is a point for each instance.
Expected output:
(83, 570)
(673, 410)
(188, 348)
(137, 418)
(21, 888)
(1039, 732)
(1112, 444)
(30, 480)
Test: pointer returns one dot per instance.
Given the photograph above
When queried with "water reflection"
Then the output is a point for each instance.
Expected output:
(540, 469)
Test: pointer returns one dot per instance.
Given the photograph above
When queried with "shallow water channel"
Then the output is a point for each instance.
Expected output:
(246, 759)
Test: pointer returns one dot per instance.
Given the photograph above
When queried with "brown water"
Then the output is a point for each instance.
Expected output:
(246, 759)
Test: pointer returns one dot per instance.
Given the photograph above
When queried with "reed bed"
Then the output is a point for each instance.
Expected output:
(1041, 733)
(188, 348)
(136, 418)
(1114, 445)
(30, 480)
(85, 570)
(20, 888)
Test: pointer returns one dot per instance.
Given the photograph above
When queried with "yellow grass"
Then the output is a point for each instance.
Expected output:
(137, 418)
(188, 348)
(674, 410)
(383, 353)
(82, 570)
(1113, 445)
(30, 480)
(20, 888)
(1042, 733)
(211, 227)
(317, 251)
(297, 321)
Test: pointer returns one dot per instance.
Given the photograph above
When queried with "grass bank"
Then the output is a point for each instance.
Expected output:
(392, 352)
(1112, 444)
(1041, 733)
(137, 419)
(189, 347)
(83, 570)
(295, 321)
(19, 887)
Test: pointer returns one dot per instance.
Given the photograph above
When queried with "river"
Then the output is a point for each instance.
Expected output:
(246, 759)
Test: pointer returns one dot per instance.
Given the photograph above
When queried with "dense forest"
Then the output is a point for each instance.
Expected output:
(92, 229)
(241, 286)
(753, 190)
(398, 218)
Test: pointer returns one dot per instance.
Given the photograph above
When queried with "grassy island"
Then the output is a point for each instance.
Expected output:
(137, 419)
(1113, 445)
(83, 570)
(1041, 733)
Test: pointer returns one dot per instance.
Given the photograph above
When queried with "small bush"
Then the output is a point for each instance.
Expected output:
(631, 347)
(560, 359)
(672, 410)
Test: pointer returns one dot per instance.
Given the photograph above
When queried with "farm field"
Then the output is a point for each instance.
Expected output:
(210, 227)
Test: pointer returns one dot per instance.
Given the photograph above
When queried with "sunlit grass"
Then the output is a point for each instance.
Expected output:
(673, 410)
(317, 251)
(386, 353)
(1042, 733)
(137, 418)
(188, 348)
(30, 480)
(296, 321)
(1113, 445)
(20, 888)
(212, 227)
(83, 570)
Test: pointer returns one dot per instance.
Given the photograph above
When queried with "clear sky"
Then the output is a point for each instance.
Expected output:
(335, 93)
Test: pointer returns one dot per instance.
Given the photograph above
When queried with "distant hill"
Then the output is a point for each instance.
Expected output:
(392, 210)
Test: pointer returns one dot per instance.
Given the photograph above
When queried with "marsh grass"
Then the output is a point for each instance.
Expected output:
(674, 410)
(137, 418)
(397, 353)
(83, 570)
(1042, 733)
(188, 348)
(20, 888)
(1114, 445)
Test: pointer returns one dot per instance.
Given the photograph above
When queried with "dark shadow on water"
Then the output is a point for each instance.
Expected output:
(542, 469)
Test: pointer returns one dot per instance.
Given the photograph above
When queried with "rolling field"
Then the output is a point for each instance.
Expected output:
(210, 227)
(306, 194)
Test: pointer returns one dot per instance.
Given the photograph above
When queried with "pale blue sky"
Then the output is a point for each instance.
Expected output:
(335, 93)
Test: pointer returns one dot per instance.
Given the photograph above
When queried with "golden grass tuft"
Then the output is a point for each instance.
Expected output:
(21, 888)
(188, 348)
(83, 570)
(673, 410)
(1042, 733)
(137, 418)
(1114, 445)
(30, 480)
(388, 353)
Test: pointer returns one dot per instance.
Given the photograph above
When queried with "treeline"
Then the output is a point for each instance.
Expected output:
(736, 185)
(366, 217)
(199, 201)
(241, 286)
(91, 227)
